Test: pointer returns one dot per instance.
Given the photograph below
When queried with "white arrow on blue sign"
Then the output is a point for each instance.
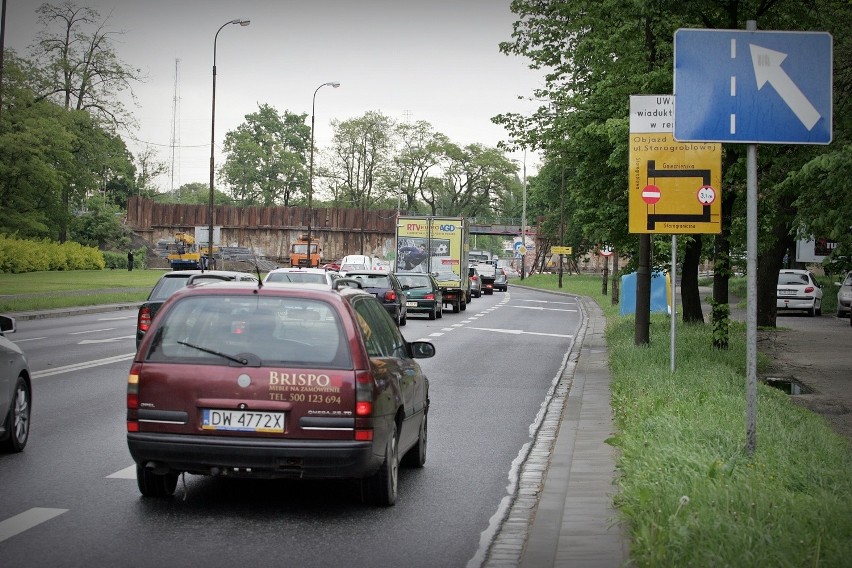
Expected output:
(753, 86)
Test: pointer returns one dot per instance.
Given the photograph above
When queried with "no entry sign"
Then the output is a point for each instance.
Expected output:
(651, 194)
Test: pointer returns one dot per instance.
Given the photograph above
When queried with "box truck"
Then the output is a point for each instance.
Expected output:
(439, 246)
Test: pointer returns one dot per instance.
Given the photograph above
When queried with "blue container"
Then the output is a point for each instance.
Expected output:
(660, 286)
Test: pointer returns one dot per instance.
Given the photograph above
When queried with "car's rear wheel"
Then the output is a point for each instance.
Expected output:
(155, 485)
(434, 313)
(403, 318)
(18, 419)
(381, 488)
(416, 456)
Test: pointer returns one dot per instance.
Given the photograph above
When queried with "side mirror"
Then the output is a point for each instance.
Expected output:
(7, 324)
(421, 349)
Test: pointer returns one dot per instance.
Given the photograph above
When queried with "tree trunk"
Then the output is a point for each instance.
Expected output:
(689, 296)
(615, 290)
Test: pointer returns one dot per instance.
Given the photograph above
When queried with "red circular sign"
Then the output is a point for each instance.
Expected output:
(706, 195)
(651, 194)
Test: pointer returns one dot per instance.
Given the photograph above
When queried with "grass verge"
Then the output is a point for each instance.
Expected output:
(689, 492)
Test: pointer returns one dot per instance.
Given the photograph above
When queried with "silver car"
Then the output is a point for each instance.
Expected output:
(844, 296)
(15, 392)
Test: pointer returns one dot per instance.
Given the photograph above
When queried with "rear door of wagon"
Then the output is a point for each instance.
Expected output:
(241, 365)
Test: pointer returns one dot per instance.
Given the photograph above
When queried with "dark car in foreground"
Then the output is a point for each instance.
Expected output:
(15, 392)
(171, 282)
(423, 294)
(277, 381)
(386, 288)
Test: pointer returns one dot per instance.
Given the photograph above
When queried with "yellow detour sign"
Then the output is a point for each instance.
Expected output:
(561, 250)
(674, 186)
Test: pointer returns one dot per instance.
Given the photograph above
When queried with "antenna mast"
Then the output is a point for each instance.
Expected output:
(175, 142)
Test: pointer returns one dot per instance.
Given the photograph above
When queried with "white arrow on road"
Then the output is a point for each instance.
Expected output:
(767, 68)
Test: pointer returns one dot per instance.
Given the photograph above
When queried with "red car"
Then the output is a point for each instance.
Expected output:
(276, 381)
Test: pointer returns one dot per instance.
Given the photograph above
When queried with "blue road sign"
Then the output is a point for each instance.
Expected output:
(753, 86)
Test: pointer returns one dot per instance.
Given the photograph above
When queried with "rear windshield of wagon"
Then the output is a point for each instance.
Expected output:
(269, 331)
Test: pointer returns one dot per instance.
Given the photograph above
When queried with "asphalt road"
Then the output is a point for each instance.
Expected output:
(70, 499)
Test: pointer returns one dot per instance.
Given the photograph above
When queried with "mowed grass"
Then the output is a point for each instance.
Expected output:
(689, 492)
(49, 290)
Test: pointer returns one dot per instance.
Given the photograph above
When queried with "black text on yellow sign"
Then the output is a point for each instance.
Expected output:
(674, 186)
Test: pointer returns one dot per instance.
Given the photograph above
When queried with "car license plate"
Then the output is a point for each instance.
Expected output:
(786, 292)
(411, 304)
(242, 420)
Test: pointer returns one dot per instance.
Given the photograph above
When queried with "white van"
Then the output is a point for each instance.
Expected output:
(355, 262)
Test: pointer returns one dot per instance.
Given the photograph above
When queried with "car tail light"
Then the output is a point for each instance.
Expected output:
(363, 405)
(133, 398)
(143, 323)
(474, 277)
(390, 296)
(429, 296)
(809, 289)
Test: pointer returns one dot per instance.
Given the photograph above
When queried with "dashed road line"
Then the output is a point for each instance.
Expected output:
(27, 520)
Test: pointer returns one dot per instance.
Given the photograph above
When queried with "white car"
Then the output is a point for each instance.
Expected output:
(844, 296)
(299, 275)
(15, 392)
(799, 290)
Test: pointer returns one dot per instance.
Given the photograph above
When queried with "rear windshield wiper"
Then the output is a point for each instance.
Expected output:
(240, 360)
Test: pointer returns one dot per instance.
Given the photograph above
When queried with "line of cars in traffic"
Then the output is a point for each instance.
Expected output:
(304, 374)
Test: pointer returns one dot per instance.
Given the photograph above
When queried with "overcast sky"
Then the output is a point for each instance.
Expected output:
(432, 60)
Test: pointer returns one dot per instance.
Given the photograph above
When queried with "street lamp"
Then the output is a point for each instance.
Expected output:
(213, 141)
(524, 220)
(524, 216)
(334, 84)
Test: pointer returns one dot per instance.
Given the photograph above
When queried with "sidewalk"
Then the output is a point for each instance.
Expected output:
(562, 514)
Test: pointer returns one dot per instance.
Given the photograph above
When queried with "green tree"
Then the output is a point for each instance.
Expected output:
(360, 157)
(266, 158)
(80, 68)
(589, 78)
(99, 225)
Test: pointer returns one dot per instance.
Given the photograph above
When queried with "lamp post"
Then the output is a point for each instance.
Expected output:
(334, 84)
(524, 219)
(213, 141)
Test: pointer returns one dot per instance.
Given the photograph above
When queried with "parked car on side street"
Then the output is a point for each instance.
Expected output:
(169, 283)
(475, 282)
(423, 294)
(799, 290)
(844, 296)
(386, 288)
(16, 392)
(277, 382)
(302, 275)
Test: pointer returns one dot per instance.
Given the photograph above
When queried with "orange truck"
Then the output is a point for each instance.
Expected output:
(299, 252)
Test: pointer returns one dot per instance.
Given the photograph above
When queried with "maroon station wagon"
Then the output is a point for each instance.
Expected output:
(276, 381)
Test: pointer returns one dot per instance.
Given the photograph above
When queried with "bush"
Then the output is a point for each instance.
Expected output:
(18, 256)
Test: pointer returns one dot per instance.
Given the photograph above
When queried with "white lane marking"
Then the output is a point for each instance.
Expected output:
(84, 365)
(27, 520)
(436, 334)
(521, 332)
(91, 331)
(126, 473)
(29, 339)
(550, 302)
(118, 318)
(539, 308)
(108, 340)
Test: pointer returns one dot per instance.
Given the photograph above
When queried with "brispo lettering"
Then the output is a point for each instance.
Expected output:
(298, 379)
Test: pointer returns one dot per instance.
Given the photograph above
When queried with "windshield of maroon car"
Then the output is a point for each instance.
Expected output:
(281, 331)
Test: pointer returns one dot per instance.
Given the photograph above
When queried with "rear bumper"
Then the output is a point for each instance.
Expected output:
(243, 457)
(795, 303)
